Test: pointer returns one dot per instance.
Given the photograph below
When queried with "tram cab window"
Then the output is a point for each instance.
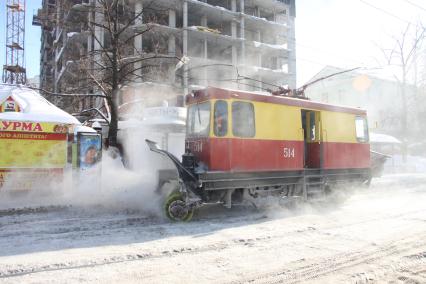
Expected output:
(220, 119)
(243, 121)
(361, 129)
(198, 122)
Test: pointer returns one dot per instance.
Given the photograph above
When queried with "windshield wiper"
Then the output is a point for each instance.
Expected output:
(199, 115)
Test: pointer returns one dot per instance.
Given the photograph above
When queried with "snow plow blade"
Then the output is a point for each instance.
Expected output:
(378, 161)
(184, 174)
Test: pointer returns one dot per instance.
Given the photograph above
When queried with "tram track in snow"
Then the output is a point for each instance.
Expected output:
(132, 238)
(302, 272)
(295, 272)
(83, 224)
(17, 271)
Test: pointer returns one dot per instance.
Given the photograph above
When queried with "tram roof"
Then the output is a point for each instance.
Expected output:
(224, 94)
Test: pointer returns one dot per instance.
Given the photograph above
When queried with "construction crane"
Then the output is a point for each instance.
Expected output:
(14, 70)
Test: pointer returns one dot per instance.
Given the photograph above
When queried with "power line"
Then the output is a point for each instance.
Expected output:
(386, 12)
(327, 63)
(311, 61)
(415, 5)
(344, 58)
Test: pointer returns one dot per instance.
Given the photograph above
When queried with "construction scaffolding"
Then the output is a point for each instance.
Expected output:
(238, 44)
(14, 70)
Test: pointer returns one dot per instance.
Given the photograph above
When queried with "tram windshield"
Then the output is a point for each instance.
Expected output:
(198, 122)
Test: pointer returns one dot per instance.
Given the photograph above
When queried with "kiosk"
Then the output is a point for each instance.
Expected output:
(40, 143)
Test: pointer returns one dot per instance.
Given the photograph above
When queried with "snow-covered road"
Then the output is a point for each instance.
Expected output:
(378, 235)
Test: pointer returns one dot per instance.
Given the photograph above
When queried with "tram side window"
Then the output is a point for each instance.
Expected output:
(220, 118)
(361, 129)
(243, 123)
(198, 121)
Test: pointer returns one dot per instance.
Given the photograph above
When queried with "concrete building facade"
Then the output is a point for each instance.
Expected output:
(241, 44)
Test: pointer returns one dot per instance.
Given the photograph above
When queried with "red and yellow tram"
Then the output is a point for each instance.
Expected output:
(243, 145)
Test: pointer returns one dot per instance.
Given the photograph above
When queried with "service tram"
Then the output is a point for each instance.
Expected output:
(242, 145)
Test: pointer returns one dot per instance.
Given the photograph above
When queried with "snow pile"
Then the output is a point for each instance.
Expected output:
(71, 34)
(131, 187)
(383, 138)
(413, 164)
(272, 46)
(117, 188)
(255, 18)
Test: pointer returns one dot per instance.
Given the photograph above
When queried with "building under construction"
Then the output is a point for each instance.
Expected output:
(241, 44)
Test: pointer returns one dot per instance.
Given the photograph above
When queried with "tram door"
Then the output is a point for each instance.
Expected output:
(311, 124)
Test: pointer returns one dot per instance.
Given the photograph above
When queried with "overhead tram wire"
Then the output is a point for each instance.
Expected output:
(415, 5)
(240, 77)
(386, 12)
(329, 53)
(236, 80)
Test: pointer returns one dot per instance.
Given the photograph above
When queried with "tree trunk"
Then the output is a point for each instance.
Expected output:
(404, 121)
(113, 126)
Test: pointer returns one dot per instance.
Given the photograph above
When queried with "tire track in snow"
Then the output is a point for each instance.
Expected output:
(110, 226)
(20, 271)
(336, 263)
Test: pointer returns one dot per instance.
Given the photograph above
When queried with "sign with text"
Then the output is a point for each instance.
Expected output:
(26, 126)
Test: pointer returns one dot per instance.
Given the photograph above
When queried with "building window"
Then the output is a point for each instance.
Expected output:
(243, 123)
(361, 129)
(220, 118)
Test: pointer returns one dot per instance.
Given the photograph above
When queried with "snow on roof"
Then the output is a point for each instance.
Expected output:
(273, 46)
(82, 128)
(157, 116)
(34, 107)
(383, 138)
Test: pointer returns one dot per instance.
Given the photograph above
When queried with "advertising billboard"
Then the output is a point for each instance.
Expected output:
(31, 153)
(90, 149)
(32, 145)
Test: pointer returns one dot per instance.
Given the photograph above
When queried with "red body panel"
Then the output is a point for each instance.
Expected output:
(346, 155)
(240, 155)
(313, 156)
(265, 155)
(200, 147)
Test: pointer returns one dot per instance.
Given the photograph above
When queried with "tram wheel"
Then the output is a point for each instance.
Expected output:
(176, 208)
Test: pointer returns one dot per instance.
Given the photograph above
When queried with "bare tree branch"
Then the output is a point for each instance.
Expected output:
(64, 95)
(99, 84)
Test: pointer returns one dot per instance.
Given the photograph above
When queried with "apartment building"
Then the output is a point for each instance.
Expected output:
(240, 44)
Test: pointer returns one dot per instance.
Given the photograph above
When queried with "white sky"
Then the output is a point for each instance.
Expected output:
(348, 33)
